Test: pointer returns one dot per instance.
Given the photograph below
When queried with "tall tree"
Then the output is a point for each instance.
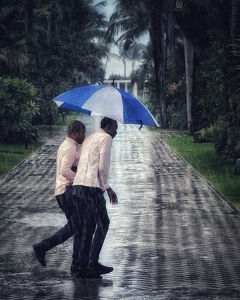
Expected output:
(132, 54)
(134, 18)
(158, 45)
(235, 18)
(63, 43)
(170, 34)
(28, 17)
(189, 65)
(192, 12)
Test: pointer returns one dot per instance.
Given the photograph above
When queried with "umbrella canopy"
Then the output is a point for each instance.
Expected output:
(107, 101)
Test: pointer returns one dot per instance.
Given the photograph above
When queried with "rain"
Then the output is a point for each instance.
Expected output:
(170, 237)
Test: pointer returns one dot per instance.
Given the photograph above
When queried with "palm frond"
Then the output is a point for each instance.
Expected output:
(15, 55)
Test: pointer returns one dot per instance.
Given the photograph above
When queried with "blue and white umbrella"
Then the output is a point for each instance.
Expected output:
(107, 101)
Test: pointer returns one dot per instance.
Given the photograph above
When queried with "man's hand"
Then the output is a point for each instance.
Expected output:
(112, 196)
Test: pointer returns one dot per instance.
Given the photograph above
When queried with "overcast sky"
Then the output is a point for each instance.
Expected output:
(113, 66)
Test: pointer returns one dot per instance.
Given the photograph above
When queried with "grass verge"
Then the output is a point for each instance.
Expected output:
(59, 124)
(12, 155)
(217, 171)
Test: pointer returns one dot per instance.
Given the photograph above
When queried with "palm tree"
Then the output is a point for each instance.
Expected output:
(64, 37)
(195, 37)
(14, 55)
(170, 37)
(189, 62)
(135, 53)
(132, 54)
(136, 18)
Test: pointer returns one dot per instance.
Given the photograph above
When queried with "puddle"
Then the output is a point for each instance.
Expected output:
(45, 219)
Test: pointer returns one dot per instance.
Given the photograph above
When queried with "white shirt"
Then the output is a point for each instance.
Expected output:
(94, 163)
(67, 156)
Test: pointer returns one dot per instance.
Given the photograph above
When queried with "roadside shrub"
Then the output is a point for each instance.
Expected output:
(226, 138)
(214, 76)
(207, 134)
(177, 108)
(18, 106)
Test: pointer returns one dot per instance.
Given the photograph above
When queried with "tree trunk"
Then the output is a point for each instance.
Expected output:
(158, 45)
(189, 56)
(170, 38)
(28, 17)
(28, 26)
(125, 69)
(133, 65)
(235, 23)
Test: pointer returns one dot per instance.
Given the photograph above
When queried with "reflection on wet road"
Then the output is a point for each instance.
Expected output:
(170, 237)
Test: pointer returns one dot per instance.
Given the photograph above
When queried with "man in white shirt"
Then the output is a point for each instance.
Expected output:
(67, 160)
(89, 185)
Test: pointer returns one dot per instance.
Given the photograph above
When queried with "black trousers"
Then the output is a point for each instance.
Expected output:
(65, 202)
(91, 222)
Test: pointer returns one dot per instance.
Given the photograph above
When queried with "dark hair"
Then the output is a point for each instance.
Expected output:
(107, 121)
(75, 126)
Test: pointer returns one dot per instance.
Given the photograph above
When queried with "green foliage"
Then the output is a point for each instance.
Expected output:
(60, 36)
(151, 102)
(177, 111)
(207, 133)
(235, 94)
(213, 78)
(216, 110)
(145, 79)
(204, 135)
(192, 18)
(115, 76)
(66, 53)
(18, 107)
(226, 136)
(12, 41)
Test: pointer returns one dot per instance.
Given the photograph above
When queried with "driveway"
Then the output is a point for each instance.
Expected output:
(170, 237)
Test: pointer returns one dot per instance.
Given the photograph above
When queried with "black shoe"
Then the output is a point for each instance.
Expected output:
(96, 269)
(40, 253)
(74, 268)
(82, 272)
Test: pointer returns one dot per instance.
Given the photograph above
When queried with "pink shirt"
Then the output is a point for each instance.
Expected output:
(94, 163)
(67, 156)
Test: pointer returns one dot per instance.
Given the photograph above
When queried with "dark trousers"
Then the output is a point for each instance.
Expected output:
(66, 204)
(91, 222)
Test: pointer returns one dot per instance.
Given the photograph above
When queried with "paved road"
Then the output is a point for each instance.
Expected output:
(170, 237)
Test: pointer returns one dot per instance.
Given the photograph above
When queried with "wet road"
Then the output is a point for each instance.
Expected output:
(170, 237)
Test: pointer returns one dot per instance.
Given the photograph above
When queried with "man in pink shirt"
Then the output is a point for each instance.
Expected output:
(89, 185)
(67, 160)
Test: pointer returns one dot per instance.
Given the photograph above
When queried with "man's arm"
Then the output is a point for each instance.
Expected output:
(67, 163)
(104, 161)
(112, 196)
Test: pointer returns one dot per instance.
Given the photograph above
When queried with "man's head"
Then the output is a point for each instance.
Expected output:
(110, 126)
(77, 131)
